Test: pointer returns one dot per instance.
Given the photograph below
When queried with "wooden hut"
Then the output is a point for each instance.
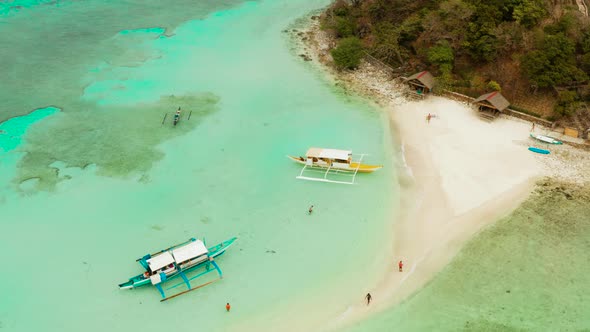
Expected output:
(421, 83)
(491, 105)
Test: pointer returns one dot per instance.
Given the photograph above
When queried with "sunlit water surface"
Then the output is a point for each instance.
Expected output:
(92, 179)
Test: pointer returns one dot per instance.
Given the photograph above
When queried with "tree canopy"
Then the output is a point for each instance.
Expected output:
(348, 53)
(546, 43)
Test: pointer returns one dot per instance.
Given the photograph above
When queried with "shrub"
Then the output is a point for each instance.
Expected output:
(552, 118)
(348, 53)
(410, 29)
(585, 62)
(340, 8)
(585, 41)
(441, 54)
(482, 47)
(445, 80)
(386, 45)
(344, 27)
(493, 85)
(529, 12)
(554, 63)
(566, 103)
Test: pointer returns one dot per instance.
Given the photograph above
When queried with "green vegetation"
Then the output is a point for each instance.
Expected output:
(442, 55)
(529, 12)
(348, 53)
(472, 46)
(567, 102)
(553, 64)
(493, 85)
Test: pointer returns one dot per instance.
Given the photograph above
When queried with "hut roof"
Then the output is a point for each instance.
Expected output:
(495, 99)
(425, 77)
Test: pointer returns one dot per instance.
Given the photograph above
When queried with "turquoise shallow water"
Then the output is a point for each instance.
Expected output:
(13, 130)
(92, 187)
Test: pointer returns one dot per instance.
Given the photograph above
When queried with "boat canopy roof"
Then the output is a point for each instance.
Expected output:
(328, 153)
(157, 262)
(189, 251)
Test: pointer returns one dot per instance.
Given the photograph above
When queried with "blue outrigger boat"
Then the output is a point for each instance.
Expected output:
(177, 261)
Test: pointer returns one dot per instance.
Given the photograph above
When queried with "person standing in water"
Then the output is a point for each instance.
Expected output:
(177, 116)
(368, 297)
(310, 210)
(227, 307)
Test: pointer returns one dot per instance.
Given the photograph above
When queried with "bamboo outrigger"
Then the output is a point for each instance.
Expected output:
(176, 261)
(332, 161)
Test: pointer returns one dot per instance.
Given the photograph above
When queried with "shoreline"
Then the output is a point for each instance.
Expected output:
(428, 234)
(441, 174)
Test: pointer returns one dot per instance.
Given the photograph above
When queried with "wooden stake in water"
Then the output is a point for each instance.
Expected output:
(164, 119)
(189, 115)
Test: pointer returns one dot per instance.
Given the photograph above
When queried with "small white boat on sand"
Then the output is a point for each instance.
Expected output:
(546, 139)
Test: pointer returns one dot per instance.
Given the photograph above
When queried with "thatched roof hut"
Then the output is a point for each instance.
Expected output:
(421, 82)
(493, 101)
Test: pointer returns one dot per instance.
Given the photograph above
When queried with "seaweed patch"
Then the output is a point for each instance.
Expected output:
(120, 141)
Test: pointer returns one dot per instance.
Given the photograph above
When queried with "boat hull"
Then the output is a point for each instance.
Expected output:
(363, 168)
(537, 150)
(215, 251)
(546, 139)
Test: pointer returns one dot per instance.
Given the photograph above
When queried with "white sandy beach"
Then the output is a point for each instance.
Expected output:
(463, 173)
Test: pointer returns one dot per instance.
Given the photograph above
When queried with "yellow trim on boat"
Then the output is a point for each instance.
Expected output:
(364, 168)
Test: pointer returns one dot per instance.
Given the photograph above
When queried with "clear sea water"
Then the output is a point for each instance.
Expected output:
(90, 179)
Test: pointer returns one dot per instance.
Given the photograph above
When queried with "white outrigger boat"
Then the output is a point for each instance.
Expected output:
(332, 161)
(546, 139)
(178, 261)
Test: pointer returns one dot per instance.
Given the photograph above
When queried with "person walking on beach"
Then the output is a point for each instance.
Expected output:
(227, 307)
(368, 297)
(428, 118)
(400, 265)
(310, 210)
(533, 127)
